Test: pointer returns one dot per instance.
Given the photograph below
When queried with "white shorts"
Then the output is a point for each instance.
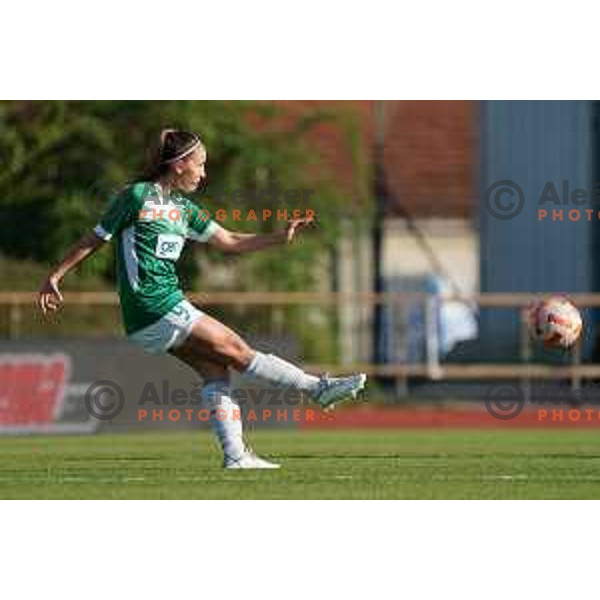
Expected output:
(168, 332)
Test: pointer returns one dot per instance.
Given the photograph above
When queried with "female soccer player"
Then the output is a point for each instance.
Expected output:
(150, 221)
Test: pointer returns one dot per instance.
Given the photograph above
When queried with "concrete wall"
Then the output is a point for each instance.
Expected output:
(455, 242)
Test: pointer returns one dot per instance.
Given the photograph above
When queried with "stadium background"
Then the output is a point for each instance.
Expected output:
(409, 275)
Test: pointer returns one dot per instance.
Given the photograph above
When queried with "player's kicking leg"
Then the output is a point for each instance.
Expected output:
(210, 339)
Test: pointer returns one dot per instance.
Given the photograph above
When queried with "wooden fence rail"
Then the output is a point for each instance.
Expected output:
(431, 368)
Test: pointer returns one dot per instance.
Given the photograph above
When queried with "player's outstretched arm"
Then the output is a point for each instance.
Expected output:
(233, 242)
(50, 298)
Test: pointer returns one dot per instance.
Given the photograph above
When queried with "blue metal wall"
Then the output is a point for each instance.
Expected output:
(531, 143)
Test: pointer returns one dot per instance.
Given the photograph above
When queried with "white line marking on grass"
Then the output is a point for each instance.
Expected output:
(506, 477)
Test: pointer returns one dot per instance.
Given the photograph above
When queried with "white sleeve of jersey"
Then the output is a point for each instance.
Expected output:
(102, 233)
(210, 230)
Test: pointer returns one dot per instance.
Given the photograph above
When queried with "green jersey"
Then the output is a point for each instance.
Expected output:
(150, 231)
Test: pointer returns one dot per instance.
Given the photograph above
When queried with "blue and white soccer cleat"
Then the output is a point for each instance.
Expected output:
(332, 390)
(249, 460)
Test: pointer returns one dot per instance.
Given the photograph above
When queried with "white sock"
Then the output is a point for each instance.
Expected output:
(281, 373)
(225, 418)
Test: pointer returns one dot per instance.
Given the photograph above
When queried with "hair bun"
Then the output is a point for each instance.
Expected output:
(163, 135)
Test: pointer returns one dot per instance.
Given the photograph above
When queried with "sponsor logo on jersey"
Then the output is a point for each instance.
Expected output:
(169, 246)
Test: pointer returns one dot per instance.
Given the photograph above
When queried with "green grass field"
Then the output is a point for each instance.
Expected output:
(348, 464)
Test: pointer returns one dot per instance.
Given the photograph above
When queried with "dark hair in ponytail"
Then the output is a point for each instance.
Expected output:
(174, 144)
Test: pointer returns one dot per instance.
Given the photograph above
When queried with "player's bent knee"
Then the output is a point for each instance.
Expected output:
(239, 353)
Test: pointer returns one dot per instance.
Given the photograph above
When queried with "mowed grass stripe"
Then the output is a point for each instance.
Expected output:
(349, 464)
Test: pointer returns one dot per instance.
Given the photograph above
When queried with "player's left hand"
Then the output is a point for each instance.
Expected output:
(49, 297)
(296, 225)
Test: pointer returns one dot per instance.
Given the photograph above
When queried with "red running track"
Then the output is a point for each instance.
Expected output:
(458, 418)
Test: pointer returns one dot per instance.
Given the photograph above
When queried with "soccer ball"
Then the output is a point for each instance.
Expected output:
(555, 322)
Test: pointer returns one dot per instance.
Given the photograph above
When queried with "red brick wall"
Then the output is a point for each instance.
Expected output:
(431, 156)
(430, 153)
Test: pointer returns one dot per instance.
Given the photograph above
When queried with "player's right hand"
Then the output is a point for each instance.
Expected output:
(50, 298)
(295, 225)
